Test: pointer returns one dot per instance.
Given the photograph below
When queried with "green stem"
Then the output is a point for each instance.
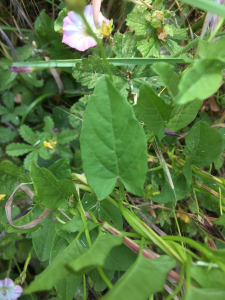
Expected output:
(100, 270)
(9, 269)
(179, 286)
(84, 288)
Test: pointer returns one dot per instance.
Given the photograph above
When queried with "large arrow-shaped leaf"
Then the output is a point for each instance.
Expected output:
(113, 143)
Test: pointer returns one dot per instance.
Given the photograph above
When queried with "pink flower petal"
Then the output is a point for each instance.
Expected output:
(101, 18)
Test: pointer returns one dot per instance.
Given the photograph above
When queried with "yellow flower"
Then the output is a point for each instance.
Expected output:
(50, 144)
(2, 196)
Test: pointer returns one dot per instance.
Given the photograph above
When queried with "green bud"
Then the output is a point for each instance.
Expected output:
(76, 5)
(167, 14)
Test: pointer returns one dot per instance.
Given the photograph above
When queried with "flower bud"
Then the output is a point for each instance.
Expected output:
(22, 69)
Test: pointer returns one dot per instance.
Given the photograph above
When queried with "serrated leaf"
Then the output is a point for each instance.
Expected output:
(51, 192)
(8, 100)
(182, 115)
(96, 255)
(3, 110)
(10, 177)
(150, 47)
(49, 124)
(6, 78)
(204, 144)
(66, 136)
(27, 134)
(200, 81)
(113, 143)
(145, 278)
(11, 117)
(44, 153)
(168, 75)
(92, 69)
(24, 52)
(137, 22)
(172, 46)
(7, 135)
(17, 149)
(152, 110)
(125, 45)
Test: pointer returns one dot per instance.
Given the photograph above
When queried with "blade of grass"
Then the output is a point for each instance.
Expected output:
(33, 104)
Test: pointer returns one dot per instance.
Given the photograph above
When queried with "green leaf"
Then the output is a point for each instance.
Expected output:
(145, 278)
(222, 134)
(11, 117)
(103, 210)
(212, 49)
(17, 149)
(200, 81)
(31, 79)
(25, 52)
(51, 192)
(137, 22)
(7, 135)
(207, 278)
(182, 115)
(33, 156)
(56, 270)
(6, 78)
(92, 69)
(150, 47)
(10, 177)
(172, 46)
(205, 294)
(27, 134)
(49, 124)
(59, 21)
(168, 75)
(3, 110)
(96, 255)
(8, 100)
(42, 238)
(168, 194)
(61, 169)
(204, 144)
(152, 110)
(125, 45)
(66, 136)
(67, 287)
(113, 143)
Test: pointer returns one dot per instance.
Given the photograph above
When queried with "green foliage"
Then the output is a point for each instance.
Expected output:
(152, 110)
(129, 209)
(106, 146)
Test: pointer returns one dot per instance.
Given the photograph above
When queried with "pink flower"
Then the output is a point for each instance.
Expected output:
(74, 30)
(9, 291)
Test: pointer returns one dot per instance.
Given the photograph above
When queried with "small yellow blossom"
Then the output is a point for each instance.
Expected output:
(50, 144)
(2, 196)
(105, 29)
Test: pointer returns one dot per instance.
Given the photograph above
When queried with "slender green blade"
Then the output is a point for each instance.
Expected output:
(207, 5)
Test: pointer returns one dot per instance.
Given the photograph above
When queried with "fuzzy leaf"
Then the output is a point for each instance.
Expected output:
(113, 143)
(137, 22)
(27, 134)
